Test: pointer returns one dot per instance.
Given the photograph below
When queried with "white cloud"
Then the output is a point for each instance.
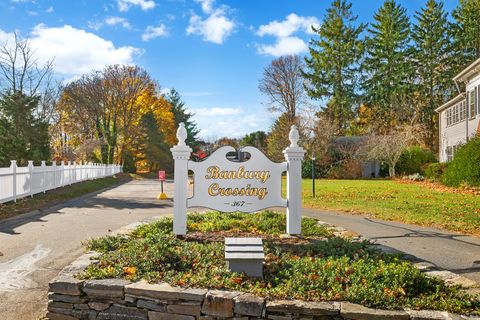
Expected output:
(215, 27)
(6, 37)
(207, 5)
(49, 10)
(76, 51)
(124, 5)
(283, 31)
(226, 122)
(154, 32)
(219, 111)
(113, 21)
(284, 46)
(292, 24)
(95, 25)
(32, 13)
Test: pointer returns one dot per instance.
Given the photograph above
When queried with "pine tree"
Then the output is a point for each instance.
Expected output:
(387, 66)
(23, 137)
(152, 144)
(466, 31)
(181, 115)
(433, 64)
(333, 65)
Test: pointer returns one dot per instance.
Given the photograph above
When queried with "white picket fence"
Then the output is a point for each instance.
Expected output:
(19, 182)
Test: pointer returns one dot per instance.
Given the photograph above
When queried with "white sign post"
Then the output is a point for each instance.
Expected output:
(228, 186)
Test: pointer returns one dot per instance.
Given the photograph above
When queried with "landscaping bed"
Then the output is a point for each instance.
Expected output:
(315, 267)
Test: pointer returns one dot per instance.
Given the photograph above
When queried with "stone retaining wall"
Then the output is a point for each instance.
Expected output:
(117, 299)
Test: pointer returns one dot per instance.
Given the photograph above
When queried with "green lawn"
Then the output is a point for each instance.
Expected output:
(393, 200)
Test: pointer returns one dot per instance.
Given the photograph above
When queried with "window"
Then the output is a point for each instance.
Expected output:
(477, 90)
(449, 116)
(471, 103)
(463, 111)
(449, 153)
(455, 114)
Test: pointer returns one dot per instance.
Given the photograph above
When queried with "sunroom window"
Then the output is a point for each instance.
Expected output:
(472, 103)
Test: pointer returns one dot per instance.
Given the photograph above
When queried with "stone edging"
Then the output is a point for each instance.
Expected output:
(118, 299)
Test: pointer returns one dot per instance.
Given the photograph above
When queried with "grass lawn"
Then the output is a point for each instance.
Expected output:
(315, 267)
(394, 200)
(55, 196)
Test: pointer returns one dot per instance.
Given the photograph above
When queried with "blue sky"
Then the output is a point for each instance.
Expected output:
(212, 52)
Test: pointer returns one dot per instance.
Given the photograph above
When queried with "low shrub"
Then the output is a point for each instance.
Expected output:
(434, 171)
(464, 169)
(413, 160)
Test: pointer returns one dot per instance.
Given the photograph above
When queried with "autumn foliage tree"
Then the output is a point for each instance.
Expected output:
(108, 106)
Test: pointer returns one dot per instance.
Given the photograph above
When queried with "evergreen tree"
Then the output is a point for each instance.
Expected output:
(155, 152)
(257, 139)
(23, 137)
(387, 66)
(433, 62)
(466, 31)
(333, 66)
(277, 139)
(181, 115)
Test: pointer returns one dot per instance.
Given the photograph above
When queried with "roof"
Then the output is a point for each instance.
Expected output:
(468, 72)
(453, 101)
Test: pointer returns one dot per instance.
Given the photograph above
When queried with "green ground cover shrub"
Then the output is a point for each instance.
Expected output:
(315, 267)
(434, 171)
(464, 169)
(413, 160)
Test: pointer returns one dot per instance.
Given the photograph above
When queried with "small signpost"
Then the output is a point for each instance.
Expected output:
(162, 177)
(228, 186)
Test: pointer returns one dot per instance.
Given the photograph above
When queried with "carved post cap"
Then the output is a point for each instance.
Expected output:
(293, 136)
(181, 134)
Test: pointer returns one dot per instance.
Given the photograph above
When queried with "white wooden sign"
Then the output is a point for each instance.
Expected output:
(228, 186)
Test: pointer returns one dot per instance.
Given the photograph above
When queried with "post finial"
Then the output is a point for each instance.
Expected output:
(181, 134)
(294, 136)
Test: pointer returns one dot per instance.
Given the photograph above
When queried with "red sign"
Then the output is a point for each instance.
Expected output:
(162, 176)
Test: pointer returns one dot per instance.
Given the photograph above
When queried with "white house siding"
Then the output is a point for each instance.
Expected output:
(452, 136)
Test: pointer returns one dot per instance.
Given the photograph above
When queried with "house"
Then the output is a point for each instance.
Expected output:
(460, 117)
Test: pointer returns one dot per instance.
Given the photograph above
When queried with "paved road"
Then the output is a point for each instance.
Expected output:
(449, 251)
(36, 247)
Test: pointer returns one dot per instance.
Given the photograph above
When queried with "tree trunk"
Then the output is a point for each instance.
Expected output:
(391, 170)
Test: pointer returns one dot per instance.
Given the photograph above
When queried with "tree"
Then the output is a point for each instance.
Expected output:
(389, 147)
(277, 139)
(108, 106)
(23, 137)
(26, 103)
(181, 115)
(387, 67)
(466, 31)
(257, 139)
(433, 64)
(333, 66)
(282, 83)
(154, 152)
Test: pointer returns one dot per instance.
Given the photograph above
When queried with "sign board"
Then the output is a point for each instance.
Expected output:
(161, 175)
(225, 185)
(228, 186)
